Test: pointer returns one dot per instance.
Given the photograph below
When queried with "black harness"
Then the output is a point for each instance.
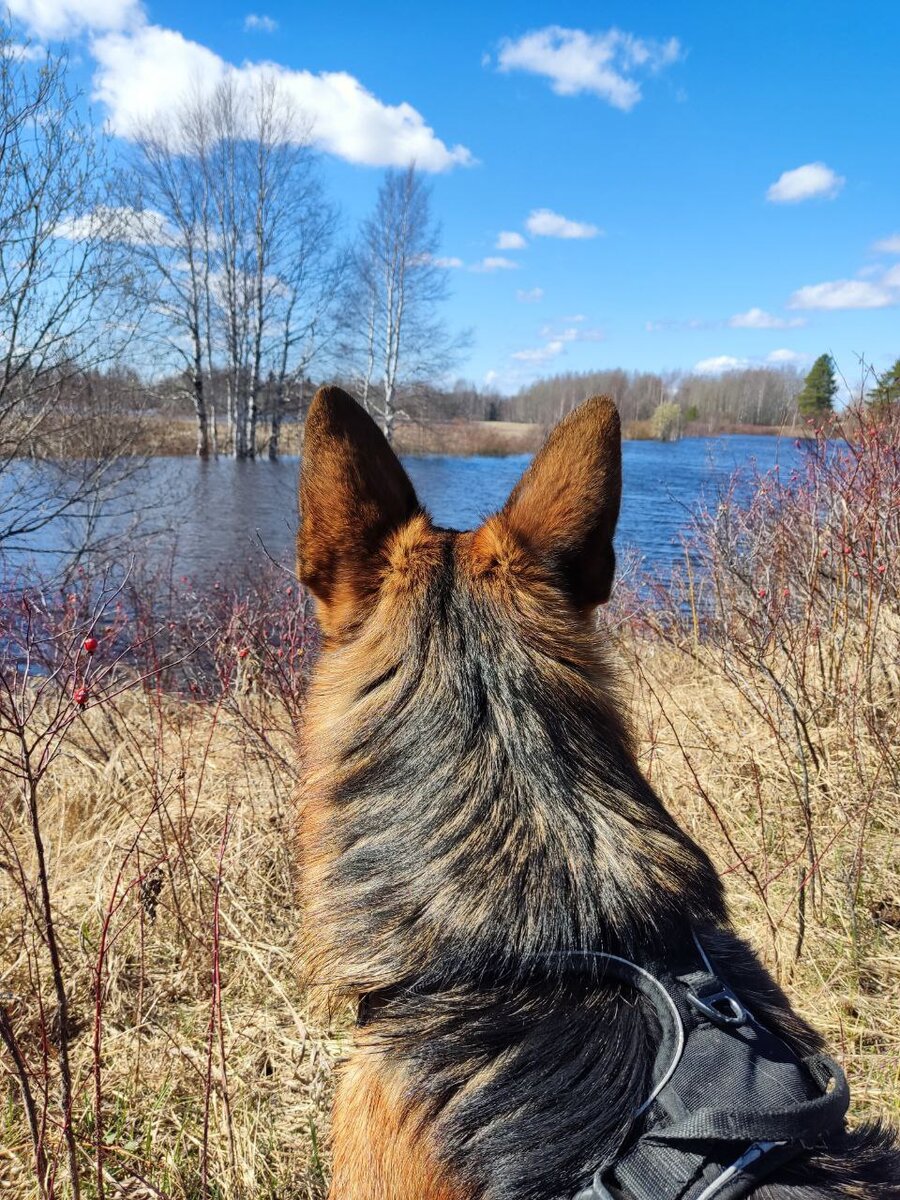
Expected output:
(731, 1102)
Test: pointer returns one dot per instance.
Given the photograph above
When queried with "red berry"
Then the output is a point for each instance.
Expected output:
(80, 696)
(243, 652)
(762, 593)
(90, 644)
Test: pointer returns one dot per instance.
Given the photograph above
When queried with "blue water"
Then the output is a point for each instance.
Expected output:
(206, 520)
(662, 484)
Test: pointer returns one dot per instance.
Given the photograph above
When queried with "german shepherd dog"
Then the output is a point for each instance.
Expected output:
(476, 841)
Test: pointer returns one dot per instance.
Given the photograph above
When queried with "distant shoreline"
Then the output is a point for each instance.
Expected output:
(176, 437)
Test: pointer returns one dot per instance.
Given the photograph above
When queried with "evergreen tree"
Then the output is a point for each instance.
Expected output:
(887, 390)
(819, 390)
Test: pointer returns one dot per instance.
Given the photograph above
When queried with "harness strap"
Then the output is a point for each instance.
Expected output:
(734, 1181)
(734, 1105)
(802, 1122)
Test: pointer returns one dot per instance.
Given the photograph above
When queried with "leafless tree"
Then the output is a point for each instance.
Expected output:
(57, 317)
(165, 217)
(279, 269)
(397, 334)
(764, 395)
(237, 244)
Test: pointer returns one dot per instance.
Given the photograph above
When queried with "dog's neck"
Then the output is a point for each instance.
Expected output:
(477, 824)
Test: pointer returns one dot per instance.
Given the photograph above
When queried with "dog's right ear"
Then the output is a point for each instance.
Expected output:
(353, 495)
(563, 511)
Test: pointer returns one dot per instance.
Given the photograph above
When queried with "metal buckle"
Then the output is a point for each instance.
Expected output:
(719, 1005)
(596, 1189)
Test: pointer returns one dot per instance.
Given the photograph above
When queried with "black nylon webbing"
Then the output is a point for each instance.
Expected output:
(739, 1095)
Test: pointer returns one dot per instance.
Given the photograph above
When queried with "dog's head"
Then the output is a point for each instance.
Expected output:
(368, 552)
(464, 737)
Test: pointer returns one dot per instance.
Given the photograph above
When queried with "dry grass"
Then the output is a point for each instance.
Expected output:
(162, 814)
(765, 693)
(168, 434)
(718, 767)
(175, 435)
(163, 822)
(467, 438)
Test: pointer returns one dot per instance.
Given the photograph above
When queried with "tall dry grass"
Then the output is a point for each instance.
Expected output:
(767, 677)
(168, 434)
(153, 1036)
(153, 1039)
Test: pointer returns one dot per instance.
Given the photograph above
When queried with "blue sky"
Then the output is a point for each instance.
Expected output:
(727, 175)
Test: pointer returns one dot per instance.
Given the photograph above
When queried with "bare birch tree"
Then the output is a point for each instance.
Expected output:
(166, 220)
(57, 316)
(243, 260)
(397, 286)
(279, 269)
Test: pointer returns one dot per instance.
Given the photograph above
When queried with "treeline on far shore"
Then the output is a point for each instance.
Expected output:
(155, 417)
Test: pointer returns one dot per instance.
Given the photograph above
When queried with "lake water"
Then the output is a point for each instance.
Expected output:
(208, 519)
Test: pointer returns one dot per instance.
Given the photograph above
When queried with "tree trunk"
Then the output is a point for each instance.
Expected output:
(275, 428)
(199, 398)
(202, 425)
(252, 421)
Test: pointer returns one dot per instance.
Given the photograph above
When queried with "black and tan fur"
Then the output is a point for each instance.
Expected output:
(472, 812)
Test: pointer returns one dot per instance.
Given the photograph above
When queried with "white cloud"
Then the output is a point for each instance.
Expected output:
(888, 245)
(146, 227)
(758, 318)
(601, 63)
(563, 335)
(531, 296)
(556, 340)
(148, 73)
(259, 23)
(572, 333)
(449, 264)
(494, 263)
(843, 293)
(65, 18)
(679, 326)
(722, 362)
(805, 183)
(27, 51)
(540, 354)
(542, 222)
(510, 240)
(891, 278)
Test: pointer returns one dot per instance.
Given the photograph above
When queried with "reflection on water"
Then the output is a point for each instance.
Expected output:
(208, 519)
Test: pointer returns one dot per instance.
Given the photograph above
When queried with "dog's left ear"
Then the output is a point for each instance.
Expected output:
(563, 511)
(354, 495)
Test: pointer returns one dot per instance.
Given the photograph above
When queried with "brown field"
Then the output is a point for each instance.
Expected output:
(168, 435)
(168, 824)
